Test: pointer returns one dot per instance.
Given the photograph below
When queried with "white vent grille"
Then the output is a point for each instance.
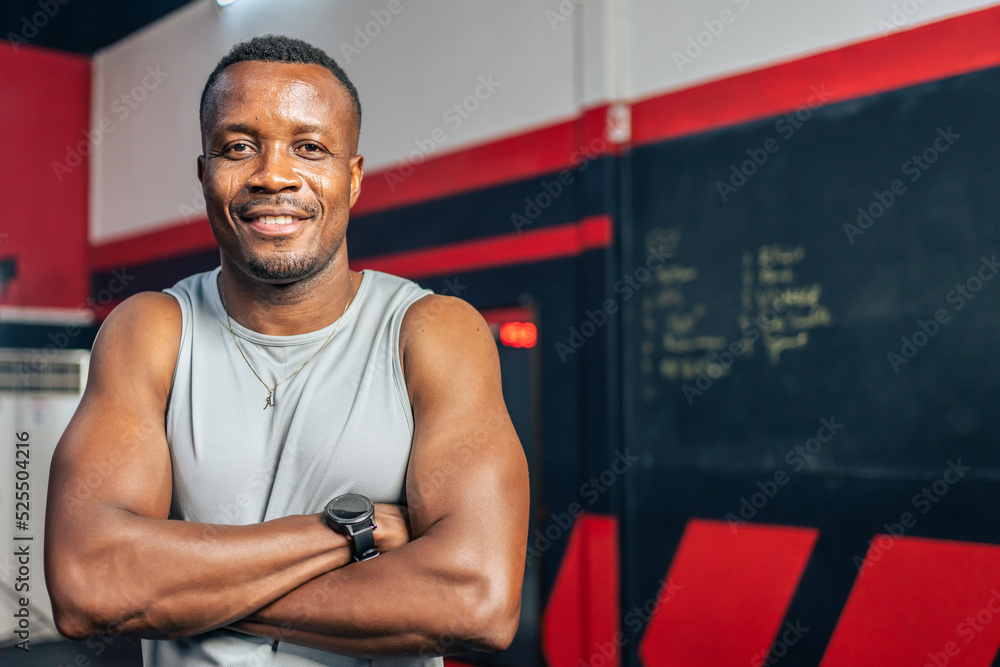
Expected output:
(31, 373)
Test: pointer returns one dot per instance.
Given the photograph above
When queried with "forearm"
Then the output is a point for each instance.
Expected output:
(370, 647)
(412, 601)
(161, 578)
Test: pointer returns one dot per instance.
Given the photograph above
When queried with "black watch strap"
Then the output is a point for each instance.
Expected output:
(364, 542)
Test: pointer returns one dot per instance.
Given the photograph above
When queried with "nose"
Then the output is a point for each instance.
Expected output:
(274, 172)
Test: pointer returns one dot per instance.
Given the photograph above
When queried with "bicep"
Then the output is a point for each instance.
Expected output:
(113, 453)
(468, 474)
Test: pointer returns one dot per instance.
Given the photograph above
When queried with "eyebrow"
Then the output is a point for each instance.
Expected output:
(240, 128)
(309, 129)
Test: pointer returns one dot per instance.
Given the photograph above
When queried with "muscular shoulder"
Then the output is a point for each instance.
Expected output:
(436, 311)
(444, 338)
(139, 340)
(437, 320)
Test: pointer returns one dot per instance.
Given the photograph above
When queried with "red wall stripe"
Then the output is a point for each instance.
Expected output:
(532, 246)
(45, 112)
(581, 623)
(174, 241)
(921, 602)
(499, 316)
(541, 244)
(521, 156)
(727, 592)
(946, 48)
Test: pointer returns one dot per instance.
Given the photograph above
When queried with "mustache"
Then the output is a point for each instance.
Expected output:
(274, 201)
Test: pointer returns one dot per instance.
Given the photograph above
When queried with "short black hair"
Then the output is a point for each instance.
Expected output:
(278, 49)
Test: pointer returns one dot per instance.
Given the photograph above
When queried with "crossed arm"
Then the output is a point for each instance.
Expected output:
(452, 571)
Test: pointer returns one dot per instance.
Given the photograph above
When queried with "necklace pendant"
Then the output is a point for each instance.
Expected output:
(270, 398)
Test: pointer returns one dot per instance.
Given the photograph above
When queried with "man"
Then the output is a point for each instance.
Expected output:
(187, 493)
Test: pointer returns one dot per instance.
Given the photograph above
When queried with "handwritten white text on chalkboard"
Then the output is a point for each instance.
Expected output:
(680, 337)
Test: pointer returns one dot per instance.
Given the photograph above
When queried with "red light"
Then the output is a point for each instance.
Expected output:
(518, 334)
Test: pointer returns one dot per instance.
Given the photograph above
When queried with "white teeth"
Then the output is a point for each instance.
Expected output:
(275, 219)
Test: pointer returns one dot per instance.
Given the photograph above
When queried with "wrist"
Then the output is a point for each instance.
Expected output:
(393, 527)
(333, 548)
(353, 516)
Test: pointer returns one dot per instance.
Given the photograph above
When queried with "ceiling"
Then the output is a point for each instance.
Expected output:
(80, 26)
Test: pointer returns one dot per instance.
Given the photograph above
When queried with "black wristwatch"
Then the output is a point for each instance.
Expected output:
(354, 515)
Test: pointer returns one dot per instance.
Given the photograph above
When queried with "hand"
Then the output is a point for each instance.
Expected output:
(393, 527)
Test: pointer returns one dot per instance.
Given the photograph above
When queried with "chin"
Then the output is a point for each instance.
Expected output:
(277, 266)
(284, 268)
(280, 271)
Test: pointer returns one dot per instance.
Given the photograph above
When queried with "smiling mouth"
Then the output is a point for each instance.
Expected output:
(274, 220)
(275, 225)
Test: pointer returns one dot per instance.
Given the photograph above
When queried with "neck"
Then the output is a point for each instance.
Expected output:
(290, 308)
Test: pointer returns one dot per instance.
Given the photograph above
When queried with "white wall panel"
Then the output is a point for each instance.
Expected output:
(760, 33)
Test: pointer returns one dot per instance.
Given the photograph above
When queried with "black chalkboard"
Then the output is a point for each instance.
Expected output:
(851, 249)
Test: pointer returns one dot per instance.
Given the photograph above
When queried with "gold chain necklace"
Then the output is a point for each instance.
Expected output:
(271, 390)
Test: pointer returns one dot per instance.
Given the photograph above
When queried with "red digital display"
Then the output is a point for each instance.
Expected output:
(518, 334)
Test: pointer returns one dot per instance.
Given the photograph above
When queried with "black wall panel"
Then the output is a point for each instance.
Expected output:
(763, 344)
(771, 265)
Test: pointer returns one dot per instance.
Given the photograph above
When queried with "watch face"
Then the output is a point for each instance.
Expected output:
(349, 508)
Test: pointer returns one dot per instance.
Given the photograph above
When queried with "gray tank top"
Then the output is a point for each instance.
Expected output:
(341, 424)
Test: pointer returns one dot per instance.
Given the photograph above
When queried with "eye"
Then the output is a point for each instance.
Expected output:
(311, 149)
(238, 149)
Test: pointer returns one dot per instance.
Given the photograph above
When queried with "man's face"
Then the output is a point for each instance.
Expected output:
(279, 170)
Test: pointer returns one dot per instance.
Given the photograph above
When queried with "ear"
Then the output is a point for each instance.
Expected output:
(357, 173)
(201, 169)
